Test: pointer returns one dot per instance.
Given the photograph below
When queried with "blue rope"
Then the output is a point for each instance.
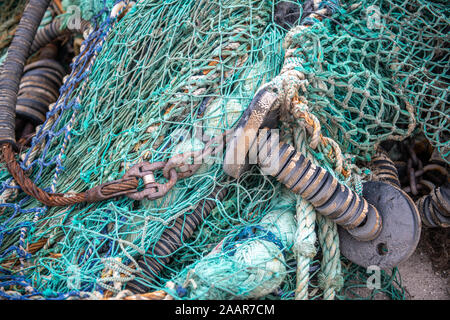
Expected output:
(252, 232)
(64, 104)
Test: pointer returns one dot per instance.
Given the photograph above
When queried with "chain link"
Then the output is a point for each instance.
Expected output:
(180, 166)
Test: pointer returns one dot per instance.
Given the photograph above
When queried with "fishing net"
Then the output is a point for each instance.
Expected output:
(377, 69)
(163, 80)
(88, 10)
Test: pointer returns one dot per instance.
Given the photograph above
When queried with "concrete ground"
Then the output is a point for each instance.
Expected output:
(419, 279)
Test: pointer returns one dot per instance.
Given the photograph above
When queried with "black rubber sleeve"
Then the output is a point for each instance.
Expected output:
(12, 69)
(159, 256)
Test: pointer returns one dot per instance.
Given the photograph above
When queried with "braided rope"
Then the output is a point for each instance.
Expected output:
(289, 82)
(305, 236)
(330, 275)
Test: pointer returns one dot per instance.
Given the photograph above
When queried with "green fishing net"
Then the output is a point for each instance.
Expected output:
(376, 69)
(88, 9)
(170, 75)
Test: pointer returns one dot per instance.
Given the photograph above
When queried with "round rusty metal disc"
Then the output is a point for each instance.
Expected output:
(399, 235)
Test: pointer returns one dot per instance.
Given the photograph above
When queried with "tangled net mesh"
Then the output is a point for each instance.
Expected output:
(171, 73)
(379, 68)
